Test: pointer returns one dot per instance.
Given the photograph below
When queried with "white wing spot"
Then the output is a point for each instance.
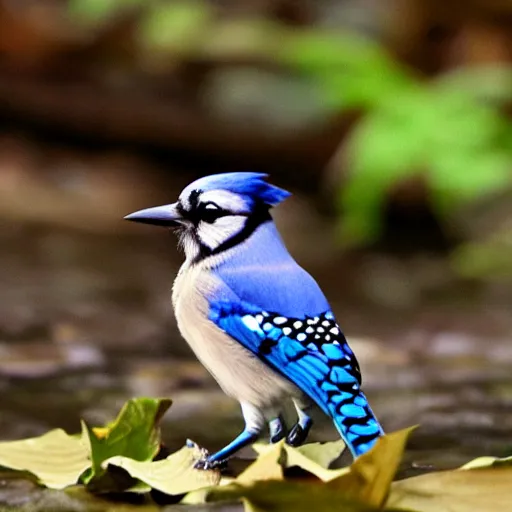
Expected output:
(335, 331)
(320, 329)
(327, 338)
(309, 330)
(326, 323)
(336, 342)
(287, 331)
(297, 324)
(251, 323)
(259, 318)
(301, 337)
(279, 320)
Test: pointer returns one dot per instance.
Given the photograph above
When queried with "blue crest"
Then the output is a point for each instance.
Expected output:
(252, 185)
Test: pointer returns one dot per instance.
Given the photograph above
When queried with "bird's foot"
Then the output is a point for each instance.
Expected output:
(278, 437)
(206, 464)
(298, 434)
(277, 430)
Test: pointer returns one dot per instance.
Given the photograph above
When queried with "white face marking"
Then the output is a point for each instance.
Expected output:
(226, 200)
(215, 234)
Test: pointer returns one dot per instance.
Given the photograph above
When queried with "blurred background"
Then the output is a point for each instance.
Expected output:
(389, 120)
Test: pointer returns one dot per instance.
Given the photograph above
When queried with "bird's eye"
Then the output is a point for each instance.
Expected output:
(210, 212)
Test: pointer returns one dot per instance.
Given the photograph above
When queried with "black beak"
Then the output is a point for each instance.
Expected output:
(166, 216)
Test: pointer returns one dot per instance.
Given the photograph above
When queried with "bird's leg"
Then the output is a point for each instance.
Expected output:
(299, 432)
(277, 429)
(254, 421)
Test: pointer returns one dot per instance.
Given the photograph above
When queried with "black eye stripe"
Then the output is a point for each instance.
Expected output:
(210, 215)
(194, 198)
(208, 212)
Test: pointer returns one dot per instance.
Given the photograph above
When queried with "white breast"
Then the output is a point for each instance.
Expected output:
(239, 372)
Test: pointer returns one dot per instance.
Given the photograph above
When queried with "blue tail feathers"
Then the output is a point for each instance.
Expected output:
(355, 422)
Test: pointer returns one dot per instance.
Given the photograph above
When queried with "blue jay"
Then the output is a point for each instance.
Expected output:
(255, 319)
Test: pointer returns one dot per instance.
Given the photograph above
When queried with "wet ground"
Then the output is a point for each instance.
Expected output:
(86, 323)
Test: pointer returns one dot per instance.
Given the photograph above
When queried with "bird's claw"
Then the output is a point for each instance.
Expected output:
(298, 434)
(204, 461)
(277, 437)
(206, 464)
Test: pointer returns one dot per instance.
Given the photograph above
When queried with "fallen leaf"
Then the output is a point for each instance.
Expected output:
(268, 465)
(370, 476)
(364, 486)
(482, 490)
(485, 462)
(56, 459)
(134, 434)
(315, 458)
(323, 454)
(174, 475)
(199, 497)
(288, 496)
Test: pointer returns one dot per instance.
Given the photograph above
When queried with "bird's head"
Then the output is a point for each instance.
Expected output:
(217, 212)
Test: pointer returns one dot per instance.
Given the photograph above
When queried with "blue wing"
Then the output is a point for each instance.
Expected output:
(312, 353)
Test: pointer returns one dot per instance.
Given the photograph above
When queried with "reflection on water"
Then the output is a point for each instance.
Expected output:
(86, 323)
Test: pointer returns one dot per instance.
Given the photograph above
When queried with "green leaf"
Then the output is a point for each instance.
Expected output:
(482, 490)
(56, 459)
(177, 25)
(174, 475)
(354, 72)
(317, 50)
(488, 83)
(94, 11)
(383, 150)
(134, 434)
(459, 177)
